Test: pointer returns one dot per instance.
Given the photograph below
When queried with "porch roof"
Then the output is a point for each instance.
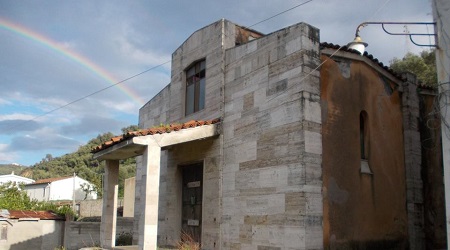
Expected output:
(133, 143)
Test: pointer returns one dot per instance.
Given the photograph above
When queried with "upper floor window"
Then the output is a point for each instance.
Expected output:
(195, 87)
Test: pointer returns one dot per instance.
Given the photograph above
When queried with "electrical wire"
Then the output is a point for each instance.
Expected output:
(267, 19)
(136, 75)
(88, 95)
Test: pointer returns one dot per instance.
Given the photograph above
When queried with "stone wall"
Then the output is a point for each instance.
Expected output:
(262, 176)
(271, 177)
(79, 234)
(169, 107)
(93, 208)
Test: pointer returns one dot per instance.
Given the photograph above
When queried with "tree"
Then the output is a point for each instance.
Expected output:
(88, 189)
(423, 66)
(13, 197)
(82, 163)
(130, 128)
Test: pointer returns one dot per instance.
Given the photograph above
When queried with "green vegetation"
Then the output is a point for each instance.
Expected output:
(82, 163)
(423, 66)
(9, 168)
(14, 198)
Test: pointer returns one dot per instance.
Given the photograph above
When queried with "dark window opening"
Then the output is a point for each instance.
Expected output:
(363, 135)
(195, 87)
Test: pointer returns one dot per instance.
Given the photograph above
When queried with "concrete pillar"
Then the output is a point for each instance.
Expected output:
(109, 212)
(413, 159)
(148, 221)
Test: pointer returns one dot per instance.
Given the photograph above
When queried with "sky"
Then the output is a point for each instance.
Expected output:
(55, 53)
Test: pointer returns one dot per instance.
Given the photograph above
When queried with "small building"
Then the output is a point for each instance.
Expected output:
(14, 178)
(39, 230)
(281, 141)
(59, 188)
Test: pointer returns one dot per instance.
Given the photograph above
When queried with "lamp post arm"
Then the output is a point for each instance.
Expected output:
(358, 29)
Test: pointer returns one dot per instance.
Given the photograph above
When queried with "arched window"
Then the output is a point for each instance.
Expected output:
(195, 87)
(364, 135)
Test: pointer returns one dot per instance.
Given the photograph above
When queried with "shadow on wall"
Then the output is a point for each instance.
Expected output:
(45, 242)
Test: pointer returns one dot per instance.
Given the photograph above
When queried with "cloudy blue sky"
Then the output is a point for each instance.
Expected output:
(55, 52)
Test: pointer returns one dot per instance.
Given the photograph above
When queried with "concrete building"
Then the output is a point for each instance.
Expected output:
(60, 188)
(277, 141)
(15, 179)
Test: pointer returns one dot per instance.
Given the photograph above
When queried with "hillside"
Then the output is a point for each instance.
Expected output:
(81, 163)
(9, 168)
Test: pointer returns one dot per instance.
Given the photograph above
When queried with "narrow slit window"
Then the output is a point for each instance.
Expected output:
(195, 87)
(363, 135)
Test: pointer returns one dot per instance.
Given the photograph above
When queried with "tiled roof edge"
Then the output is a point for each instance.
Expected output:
(367, 55)
(48, 180)
(154, 130)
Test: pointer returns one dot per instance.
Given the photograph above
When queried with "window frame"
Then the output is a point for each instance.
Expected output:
(195, 83)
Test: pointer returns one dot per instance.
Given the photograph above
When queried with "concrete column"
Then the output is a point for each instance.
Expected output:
(413, 166)
(109, 211)
(148, 221)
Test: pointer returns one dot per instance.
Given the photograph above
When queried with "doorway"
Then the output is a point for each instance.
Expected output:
(192, 196)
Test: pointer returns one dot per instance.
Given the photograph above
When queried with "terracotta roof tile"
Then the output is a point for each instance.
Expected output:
(49, 180)
(42, 215)
(153, 131)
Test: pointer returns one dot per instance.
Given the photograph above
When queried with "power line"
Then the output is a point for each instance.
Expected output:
(143, 72)
(91, 94)
(279, 14)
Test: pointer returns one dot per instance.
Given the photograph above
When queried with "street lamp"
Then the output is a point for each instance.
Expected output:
(360, 46)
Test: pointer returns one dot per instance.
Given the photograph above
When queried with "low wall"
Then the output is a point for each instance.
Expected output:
(87, 234)
(92, 208)
(31, 234)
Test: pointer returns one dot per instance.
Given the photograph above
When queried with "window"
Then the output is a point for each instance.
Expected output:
(195, 87)
(364, 142)
(363, 135)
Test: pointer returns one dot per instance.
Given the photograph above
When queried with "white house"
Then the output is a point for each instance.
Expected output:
(60, 188)
(14, 178)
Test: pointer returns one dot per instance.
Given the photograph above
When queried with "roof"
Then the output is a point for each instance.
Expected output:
(49, 180)
(17, 177)
(367, 55)
(151, 131)
(22, 214)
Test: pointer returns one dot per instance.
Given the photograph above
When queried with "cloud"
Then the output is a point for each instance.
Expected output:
(14, 126)
(127, 38)
(16, 116)
(92, 125)
(5, 102)
(42, 139)
(5, 155)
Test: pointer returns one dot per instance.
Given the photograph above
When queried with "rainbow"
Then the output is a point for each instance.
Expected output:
(75, 57)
